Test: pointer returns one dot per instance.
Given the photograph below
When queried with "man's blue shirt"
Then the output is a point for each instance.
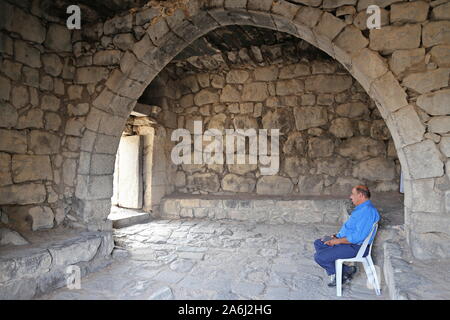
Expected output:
(360, 223)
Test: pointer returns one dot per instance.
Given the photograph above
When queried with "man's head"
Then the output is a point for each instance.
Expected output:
(360, 194)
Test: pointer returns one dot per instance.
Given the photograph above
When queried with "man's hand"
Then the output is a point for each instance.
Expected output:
(333, 242)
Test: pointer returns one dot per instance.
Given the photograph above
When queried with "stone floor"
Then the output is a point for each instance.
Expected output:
(200, 259)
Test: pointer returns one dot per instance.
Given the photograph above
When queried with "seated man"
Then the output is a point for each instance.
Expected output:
(347, 242)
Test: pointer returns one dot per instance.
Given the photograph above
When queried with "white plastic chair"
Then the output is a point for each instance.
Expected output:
(367, 262)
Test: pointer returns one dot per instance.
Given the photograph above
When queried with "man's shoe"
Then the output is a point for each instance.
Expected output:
(351, 271)
(345, 278)
(332, 282)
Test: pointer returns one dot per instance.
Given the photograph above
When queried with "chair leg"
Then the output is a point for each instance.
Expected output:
(367, 270)
(376, 282)
(338, 278)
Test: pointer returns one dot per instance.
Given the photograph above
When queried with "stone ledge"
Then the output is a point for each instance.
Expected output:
(273, 210)
(411, 279)
(30, 270)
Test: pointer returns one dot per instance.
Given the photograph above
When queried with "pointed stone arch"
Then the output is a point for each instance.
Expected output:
(166, 36)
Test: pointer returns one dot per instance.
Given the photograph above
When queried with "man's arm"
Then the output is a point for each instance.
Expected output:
(333, 242)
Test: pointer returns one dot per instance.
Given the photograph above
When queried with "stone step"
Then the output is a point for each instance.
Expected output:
(122, 217)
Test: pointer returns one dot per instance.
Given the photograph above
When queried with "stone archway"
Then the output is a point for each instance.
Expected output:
(166, 36)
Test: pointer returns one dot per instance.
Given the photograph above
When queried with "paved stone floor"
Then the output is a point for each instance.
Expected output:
(198, 259)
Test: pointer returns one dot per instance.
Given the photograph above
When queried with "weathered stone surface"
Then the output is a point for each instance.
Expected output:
(41, 218)
(310, 117)
(107, 57)
(416, 11)
(341, 128)
(44, 143)
(435, 103)
(439, 124)
(289, 87)
(5, 169)
(423, 160)
(74, 251)
(11, 69)
(332, 166)
(331, 4)
(295, 166)
(34, 118)
(441, 55)
(379, 130)
(124, 41)
(119, 24)
(409, 126)
(52, 64)
(20, 97)
(407, 60)
(237, 76)
(28, 26)
(204, 181)
(235, 183)
(435, 33)
(279, 119)
(230, 94)
(241, 169)
(294, 71)
(256, 91)
(58, 38)
(376, 169)
(329, 26)
(310, 185)
(441, 12)
(388, 93)
(9, 115)
(69, 171)
(206, 96)
(444, 146)
(328, 83)
(269, 73)
(23, 194)
(361, 148)
(294, 144)
(13, 141)
(8, 236)
(352, 109)
(245, 122)
(50, 103)
(88, 75)
(320, 147)
(274, 185)
(351, 39)
(5, 88)
(390, 38)
(427, 81)
(24, 168)
(363, 4)
(27, 54)
(368, 66)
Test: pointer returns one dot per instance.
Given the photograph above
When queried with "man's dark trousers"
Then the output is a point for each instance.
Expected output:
(326, 255)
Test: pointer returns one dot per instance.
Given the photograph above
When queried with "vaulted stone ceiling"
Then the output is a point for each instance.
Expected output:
(232, 38)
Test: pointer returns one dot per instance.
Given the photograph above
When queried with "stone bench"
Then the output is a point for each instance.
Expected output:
(274, 210)
(41, 266)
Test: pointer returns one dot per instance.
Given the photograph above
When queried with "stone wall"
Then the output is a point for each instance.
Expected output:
(332, 135)
(92, 78)
(39, 130)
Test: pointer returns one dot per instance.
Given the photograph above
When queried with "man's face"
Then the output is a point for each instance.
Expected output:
(355, 196)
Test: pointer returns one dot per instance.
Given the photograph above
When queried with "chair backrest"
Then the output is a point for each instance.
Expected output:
(366, 241)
